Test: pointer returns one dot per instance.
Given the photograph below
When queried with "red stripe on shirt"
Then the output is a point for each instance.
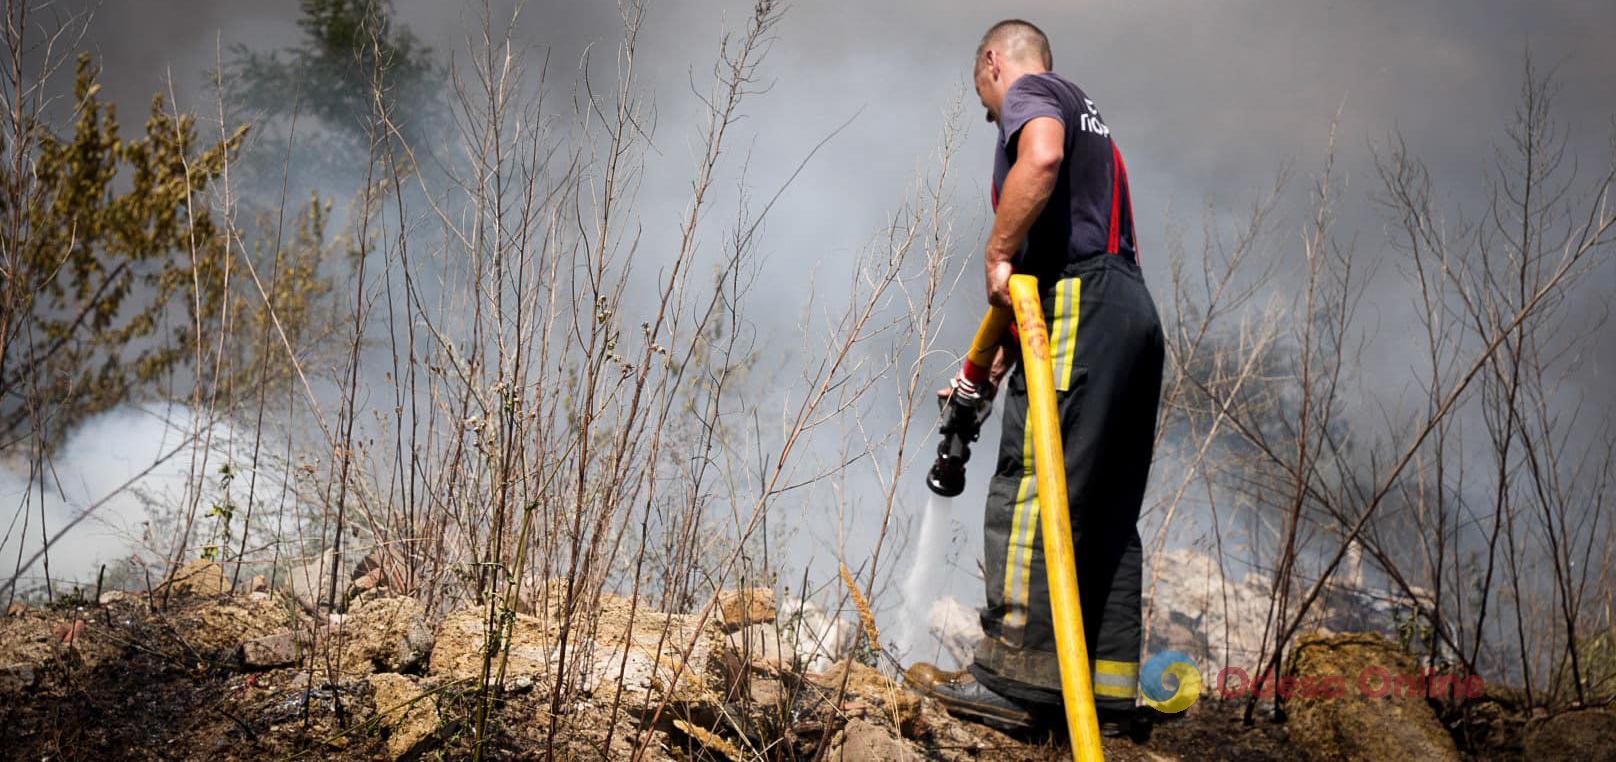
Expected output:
(1127, 194)
(1118, 178)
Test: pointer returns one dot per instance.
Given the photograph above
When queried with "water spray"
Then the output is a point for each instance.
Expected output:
(924, 581)
(964, 409)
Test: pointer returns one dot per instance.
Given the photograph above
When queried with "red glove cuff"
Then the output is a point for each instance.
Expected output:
(976, 374)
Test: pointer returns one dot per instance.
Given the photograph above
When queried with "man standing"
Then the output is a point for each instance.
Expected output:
(1062, 213)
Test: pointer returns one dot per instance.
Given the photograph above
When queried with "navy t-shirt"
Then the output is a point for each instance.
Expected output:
(1089, 211)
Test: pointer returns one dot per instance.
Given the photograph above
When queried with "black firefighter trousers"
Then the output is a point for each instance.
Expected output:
(1106, 348)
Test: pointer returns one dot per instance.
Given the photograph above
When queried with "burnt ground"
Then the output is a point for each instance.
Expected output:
(137, 683)
(131, 680)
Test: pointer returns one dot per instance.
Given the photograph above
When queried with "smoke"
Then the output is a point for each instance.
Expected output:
(1207, 102)
(117, 474)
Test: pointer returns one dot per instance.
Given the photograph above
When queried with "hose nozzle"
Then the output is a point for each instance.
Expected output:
(963, 413)
(967, 406)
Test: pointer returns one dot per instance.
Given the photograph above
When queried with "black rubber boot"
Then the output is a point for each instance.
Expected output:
(1132, 724)
(968, 699)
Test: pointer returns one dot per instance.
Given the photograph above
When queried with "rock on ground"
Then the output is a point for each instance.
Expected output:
(601, 646)
(311, 580)
(870, 691)
(762, 643)
(865, 741)
(1353, 726)
(461, 637)
(224, 624)
(16, 678)
(200, 577)
(270, 651)
(409, 716)
(740, 608)
(34, 638)
(384, 634)
(1588, 735)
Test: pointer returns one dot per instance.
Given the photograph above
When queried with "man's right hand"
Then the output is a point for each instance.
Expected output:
(999, 271)
(985, 390)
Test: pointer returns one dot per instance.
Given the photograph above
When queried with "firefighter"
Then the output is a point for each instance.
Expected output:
(1062, 213)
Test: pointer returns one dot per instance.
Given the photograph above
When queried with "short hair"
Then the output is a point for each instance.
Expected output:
(1017, 39)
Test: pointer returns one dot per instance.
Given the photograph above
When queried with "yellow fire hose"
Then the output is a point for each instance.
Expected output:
(1059, 557)
(988, 335)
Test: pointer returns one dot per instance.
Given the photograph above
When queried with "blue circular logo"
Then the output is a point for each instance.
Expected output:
(1170, 682)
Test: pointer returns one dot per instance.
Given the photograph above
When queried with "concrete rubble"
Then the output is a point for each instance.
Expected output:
(383, 634)
(200, 577)
(750, 606)
(1216, 618)
(756, 668)
(409, 714)
(762, 644)
(270, 651)
(649, 654)
(865, 741)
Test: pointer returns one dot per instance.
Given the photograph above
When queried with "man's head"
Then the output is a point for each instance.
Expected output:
(1010, 49)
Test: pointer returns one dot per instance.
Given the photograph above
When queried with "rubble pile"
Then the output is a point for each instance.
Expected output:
(201, 668)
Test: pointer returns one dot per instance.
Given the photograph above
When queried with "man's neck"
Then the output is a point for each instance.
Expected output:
(1014, 73)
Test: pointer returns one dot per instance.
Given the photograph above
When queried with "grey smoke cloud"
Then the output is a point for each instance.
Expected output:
(124, 463)
(1205, 99)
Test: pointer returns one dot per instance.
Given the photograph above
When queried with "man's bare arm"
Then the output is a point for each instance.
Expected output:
(1039, 152)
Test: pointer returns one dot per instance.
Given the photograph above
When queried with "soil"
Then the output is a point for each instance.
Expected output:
(138, 679)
